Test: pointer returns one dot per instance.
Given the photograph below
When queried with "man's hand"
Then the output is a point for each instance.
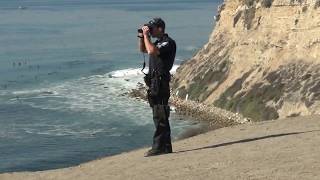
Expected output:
(142, 46)
(149, 46)
(146, 31)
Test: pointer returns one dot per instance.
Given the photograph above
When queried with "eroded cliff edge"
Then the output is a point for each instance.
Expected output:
(262, 60)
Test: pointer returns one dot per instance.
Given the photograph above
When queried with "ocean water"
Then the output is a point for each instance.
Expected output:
(64, 66)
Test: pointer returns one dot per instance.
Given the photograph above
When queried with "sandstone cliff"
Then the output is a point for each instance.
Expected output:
(261, 60)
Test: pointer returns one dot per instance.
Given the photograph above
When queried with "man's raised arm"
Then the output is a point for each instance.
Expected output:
(142, 46)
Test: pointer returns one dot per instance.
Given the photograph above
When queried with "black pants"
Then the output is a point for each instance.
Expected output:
(161, 113)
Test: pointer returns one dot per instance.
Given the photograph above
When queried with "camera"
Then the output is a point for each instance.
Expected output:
(150, 28)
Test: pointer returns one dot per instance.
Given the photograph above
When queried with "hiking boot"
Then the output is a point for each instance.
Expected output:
(153, 152)
(168, 149)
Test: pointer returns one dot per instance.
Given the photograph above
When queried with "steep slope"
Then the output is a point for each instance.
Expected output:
(262, 60)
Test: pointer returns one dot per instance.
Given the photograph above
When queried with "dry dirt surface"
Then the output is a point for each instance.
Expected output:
(281, 149)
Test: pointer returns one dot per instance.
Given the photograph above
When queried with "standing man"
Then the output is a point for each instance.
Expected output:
(161, 58)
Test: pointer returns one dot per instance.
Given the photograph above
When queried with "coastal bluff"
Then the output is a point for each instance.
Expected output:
(262, 60)
(279, 149)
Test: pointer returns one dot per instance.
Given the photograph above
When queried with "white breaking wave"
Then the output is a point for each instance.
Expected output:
(98, 93)
(124, 79)
(174, 69)
(67, 131)
(135, 72)
(35, 92)
(190, 48)
(127, 73)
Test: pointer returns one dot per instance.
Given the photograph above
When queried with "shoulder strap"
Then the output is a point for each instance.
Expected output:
(144, 64)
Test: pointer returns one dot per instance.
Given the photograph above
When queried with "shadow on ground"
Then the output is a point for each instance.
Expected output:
(247, 140)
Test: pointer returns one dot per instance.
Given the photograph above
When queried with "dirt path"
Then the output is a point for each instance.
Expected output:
(282, 149)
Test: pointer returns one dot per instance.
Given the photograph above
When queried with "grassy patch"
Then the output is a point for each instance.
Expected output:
(253, 103)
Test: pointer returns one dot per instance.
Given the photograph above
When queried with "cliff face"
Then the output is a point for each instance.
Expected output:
(262, 60)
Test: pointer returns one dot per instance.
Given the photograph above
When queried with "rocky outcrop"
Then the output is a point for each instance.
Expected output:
(214, 117)
(262, 60)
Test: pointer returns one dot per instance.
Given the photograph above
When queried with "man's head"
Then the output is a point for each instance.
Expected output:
(158, 27)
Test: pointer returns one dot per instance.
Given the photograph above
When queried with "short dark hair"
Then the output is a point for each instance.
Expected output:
(157, 22)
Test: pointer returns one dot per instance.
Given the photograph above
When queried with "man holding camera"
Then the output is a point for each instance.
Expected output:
(161, 58)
